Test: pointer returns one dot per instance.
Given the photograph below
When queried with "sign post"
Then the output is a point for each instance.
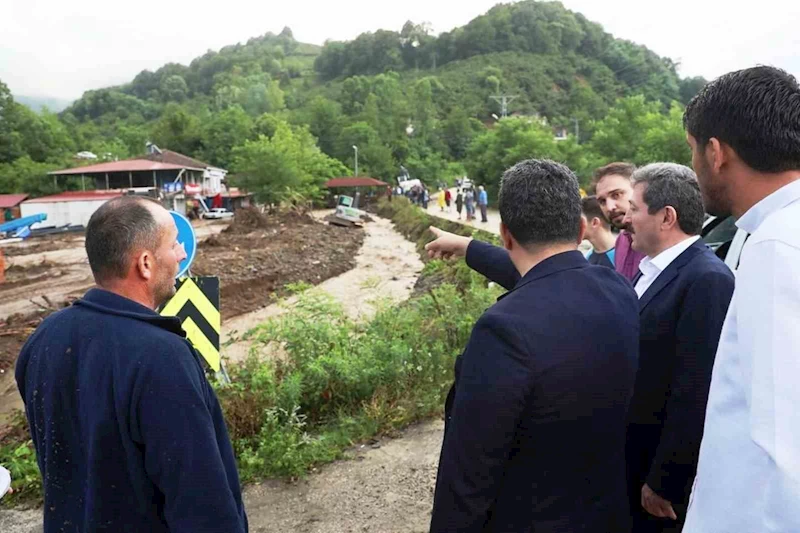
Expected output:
(196, 302)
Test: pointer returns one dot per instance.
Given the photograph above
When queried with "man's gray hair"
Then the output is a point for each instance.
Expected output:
(117, 230)
(670, 184)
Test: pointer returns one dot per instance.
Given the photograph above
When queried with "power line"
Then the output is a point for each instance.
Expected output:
(503, 100)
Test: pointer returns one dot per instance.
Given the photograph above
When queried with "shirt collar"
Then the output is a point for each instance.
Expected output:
(660, 262)
(551, 265)
(754, 216)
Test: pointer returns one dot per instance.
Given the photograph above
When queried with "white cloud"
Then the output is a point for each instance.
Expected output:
(60, 49)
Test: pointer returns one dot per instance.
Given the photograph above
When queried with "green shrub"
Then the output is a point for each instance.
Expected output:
(18, 456)
(341, 381)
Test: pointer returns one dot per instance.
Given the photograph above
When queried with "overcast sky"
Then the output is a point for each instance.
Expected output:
(60, 48)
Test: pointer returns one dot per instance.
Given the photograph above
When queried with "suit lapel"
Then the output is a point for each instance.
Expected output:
(670, 273)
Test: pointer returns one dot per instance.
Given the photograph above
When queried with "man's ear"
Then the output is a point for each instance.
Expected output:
(582, 229)
(144, 265)
(716, 154)
(505, 236)
(670, 219)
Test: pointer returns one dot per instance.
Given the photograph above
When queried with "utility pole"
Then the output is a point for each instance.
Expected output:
(355, 148)
(434, 61)
(577, 130)
(503, 100)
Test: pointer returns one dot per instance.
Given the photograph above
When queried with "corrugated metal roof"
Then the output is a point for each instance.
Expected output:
(128, 165)
(354, 182)
(11, 200)
(76, 196)
(174, 158)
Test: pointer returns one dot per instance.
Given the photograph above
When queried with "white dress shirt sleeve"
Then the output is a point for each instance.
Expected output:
(768, 327)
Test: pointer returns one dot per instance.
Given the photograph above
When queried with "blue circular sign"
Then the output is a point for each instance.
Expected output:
(186, 237)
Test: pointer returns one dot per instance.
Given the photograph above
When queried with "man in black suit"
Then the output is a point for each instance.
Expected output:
(684, 291)
(535, 431)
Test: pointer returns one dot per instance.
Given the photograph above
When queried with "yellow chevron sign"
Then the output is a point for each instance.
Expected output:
(196, 303)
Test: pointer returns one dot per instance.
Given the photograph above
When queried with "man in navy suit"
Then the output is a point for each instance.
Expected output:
(535, 426)
(684, 291)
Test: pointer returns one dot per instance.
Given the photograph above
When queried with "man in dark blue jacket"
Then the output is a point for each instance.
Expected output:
(535, 430)
(684, 291)
(128, 433)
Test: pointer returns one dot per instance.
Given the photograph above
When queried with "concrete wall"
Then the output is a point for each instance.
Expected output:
(62, 213)
(212, 180)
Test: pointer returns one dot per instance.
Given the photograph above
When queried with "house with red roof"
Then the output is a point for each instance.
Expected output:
(177, 180)
(9, 204)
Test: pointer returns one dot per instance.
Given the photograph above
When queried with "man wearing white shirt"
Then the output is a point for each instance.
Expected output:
(744, 131)
(684, 291)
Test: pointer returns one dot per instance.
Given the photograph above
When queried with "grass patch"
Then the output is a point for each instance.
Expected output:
(343, 381)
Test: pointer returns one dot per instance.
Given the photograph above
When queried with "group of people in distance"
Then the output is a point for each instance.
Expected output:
(646, 389)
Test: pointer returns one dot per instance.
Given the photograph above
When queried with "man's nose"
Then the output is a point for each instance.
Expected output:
(182, 253)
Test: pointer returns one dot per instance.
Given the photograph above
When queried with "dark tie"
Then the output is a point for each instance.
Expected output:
(636, 278)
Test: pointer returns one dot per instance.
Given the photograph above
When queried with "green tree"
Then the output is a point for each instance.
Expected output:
(287, 164)
(325, 121)
(618, 136)
(112, 149)
(174, 89)
(665, 140)
(226, 129)
(510, 141)
(689, 87)
(374, 157)
(29, 176)
(44, 137)
(178, 130)
(11, 143)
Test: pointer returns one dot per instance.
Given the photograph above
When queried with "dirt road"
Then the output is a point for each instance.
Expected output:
(387, 265)
(492, 215)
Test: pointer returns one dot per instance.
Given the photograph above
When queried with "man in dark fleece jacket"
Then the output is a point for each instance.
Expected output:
(129, 435)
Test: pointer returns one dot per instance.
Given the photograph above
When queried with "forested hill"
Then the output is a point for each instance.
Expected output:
(405, 97)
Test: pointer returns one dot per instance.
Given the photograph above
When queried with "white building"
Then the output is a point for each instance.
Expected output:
(73, 207)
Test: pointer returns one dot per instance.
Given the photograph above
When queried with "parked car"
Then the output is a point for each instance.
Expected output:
(217, 213)
(727, 241)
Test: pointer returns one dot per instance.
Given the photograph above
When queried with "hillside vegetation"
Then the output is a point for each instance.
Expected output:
(283, 116)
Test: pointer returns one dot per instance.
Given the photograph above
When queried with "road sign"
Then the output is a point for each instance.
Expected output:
(187, 238)
(196, 304)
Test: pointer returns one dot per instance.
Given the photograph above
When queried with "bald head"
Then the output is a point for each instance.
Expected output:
(118, 230)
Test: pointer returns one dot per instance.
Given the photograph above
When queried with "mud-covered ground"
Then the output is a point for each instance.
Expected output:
(257, 257)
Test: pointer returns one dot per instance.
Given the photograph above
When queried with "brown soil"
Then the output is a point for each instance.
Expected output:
(18, 276)
(258, 255)
(44, 243)
(14, 331)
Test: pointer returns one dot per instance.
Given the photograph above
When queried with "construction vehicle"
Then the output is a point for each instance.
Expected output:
(405, 182)
(346, 215)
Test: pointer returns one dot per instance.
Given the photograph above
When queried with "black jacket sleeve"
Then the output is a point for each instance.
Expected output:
(493, 262)
(699, 326)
